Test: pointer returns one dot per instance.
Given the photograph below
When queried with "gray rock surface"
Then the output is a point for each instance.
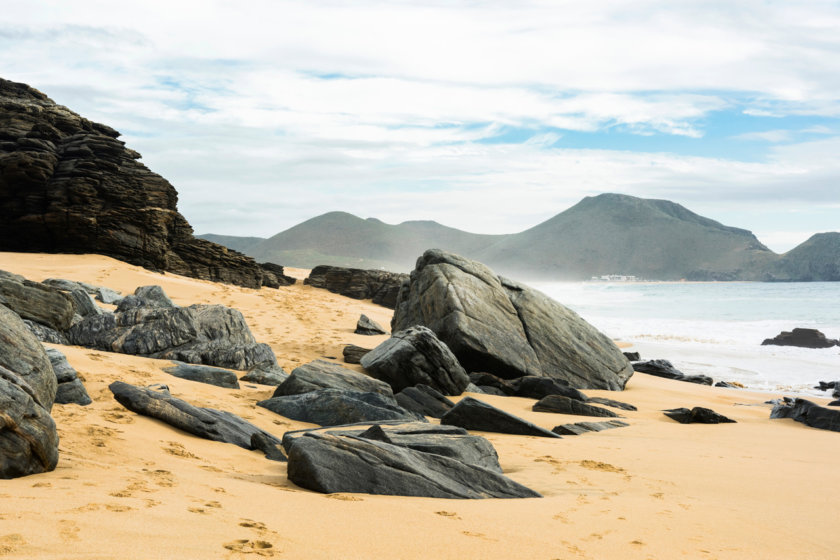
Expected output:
(36, 302)
(369, 327)
(500, 386)
(353, 354)
(473, 414)
(28, 437)
(611, 402)
(377, 285)
(533, 387)
(207, 423)
(24, 355)
(497, 326)
(414, 356)
(808, 413)
(321, 374)
(204, 374)
(424, 400)
(579, 428)
(266, 373)
(333, 407)
(107, 295)
(45, 333)
(697, 415)
(665, 369)
(70, 388)
(154, 296)
(328, 463)
(559, 404)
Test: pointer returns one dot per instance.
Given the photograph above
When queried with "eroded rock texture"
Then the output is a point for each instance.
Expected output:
(68, 185)
(378, 285)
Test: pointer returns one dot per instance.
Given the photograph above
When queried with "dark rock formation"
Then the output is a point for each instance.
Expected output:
(826, 385)
(353, 354)
(333, 407)
(274, 276)
(697, 415)
(266, 373)
(533, 387)
(198, 334)
(204, 374)
(34, 301)
(664, 368)
(70, 389)
(808, 413)
(497, 385)
(368, 326)
(473, 414)
(207, 423)
(632, 356)
(610, 402)
(804, 338)
(28, 438)
(22, 354)
(729, 385)
(579, 428)
(380, 286)
(321, 374)
(413, 356)
(328, 463)
(559, 404)
(498, 326)
(68, 185)
(153, 296)
(45, 333)
(424, 400)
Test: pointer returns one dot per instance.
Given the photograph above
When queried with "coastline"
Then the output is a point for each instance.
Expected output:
(132, 487)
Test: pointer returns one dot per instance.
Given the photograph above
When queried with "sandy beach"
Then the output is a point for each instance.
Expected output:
(127, 486)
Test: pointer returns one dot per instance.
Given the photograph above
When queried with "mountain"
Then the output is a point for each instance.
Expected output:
(342, 239)
(620, 234)
(816, 259)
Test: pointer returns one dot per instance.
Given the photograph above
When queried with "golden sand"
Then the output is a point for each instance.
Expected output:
(128, 486)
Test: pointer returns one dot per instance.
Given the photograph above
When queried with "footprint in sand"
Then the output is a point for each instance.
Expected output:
(449, 514)
(161, 477)
(11, 543)
(344, 497)
(177, 449)
(68, 530)
(246, 546)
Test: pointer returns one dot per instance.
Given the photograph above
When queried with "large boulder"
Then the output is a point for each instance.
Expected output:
(414, 356)
(207, 423)
(70, 389)
(804, 338)
(23, 354)
(377, 285)
(501, 327)
(329, 463)
(321, 374)
(424, 400)
(473, 414)
(37, 302)
(808, 413)
(334, 407)
(28, 437)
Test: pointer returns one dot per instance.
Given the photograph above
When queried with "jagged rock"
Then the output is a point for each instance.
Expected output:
(664, 368)
(198, 334)
(378, 285)
(804, 338)
(207, 423)
(204, 374)
(414, 356)
(826, 385)
(473, 388)
(36, 302)
(67, 185)
(610, 402)
(498, 326)
(153, 296)
(424, 400)
(266, 373)
(472, 414)
(274, 276)
(498, 385)
(559, 404)
(533, 387)
(729, 385)
(632, 356)
(332, 407)
(45, 333)
(580, 428)
(353, 354)
(28, 437)
(697, 415)
(368, 326)
(22, 354)
(109, 296)
(328, 463)
(321, 374)
(70, 389)
(808, 413)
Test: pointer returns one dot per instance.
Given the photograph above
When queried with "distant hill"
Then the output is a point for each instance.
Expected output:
(604, 234)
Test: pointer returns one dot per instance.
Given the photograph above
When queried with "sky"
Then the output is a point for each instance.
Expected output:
(487, 116)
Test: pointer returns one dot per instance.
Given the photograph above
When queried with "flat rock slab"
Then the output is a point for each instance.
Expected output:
(266, 373)
(353, 354)
(611, 402)
(424, 400)
(808, 413)
(665, 369)
(328, 463)
(414, 356)
(473, 414)
(36, 302)
(697, 415)
(368, 327)
(332, 407)
(559, 404)
(533, 387)
(321, 374)
(207, 423)
(204, 374)
(579, 428)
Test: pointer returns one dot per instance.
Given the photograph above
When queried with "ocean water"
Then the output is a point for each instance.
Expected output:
(716, 329)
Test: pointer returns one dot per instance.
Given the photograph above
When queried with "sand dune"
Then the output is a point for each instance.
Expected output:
(127, 486)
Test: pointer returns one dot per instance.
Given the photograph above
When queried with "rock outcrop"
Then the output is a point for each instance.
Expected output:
(424, 400)
(68, 185)
(559, 404)
(697, 415)
(36, 302)
(804, 338)
(808, 413)
(334, 407)
(473, 414)
(500, 327)
(321, 374)
(377, 285)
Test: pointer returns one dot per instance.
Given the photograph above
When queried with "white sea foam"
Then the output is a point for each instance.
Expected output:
(716, 329)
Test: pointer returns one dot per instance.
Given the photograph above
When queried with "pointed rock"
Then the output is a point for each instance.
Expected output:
(473, 414)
